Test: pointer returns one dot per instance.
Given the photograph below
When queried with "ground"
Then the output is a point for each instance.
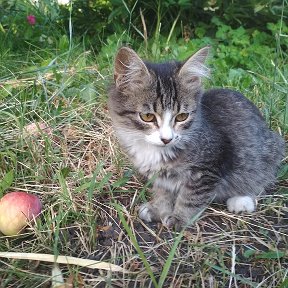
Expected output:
(90, 194)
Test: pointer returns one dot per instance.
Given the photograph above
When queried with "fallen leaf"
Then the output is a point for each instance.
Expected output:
(92, 264)
(36, 129)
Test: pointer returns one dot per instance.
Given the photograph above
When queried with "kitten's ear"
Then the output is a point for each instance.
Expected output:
(194, 68)
(130, 72)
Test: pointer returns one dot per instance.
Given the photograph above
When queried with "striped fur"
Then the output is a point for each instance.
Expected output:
(222, 151)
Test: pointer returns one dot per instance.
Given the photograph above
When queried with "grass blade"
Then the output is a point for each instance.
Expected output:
(136, 245)
(170, 258)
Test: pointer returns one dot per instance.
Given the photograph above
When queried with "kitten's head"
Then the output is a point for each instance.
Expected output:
(155, 103)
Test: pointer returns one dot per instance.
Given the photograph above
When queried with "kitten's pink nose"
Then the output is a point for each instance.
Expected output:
(166, 141)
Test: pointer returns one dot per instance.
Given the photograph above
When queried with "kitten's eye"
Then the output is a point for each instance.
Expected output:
(148, 117)
(181, 117)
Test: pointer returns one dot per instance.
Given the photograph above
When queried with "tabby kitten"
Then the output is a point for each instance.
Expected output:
(202, 146)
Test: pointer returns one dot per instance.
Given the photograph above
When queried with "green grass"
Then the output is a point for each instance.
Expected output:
(90, 192)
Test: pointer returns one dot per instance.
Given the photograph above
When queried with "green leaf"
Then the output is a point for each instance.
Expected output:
(92, 186)
(259, 7)
(284, 284)
(65, 172)
(6, 182)
(120, 182)
(283, 173)
(237, 277)
(88, 93)
(248, 253)
(271, 255)
(100, 185)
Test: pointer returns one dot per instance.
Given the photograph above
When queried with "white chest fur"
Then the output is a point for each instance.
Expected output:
(146, 157)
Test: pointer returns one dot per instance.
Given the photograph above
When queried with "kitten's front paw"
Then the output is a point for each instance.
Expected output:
(171, 221)
(148, 213)
(239, 204)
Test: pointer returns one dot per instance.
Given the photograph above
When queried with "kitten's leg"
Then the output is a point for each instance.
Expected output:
(188, 204)
(239, 204)
(159, 207)
(148, 213)
(193, 197)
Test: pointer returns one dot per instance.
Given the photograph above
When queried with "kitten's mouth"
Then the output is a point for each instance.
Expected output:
(166, 141)
(168, 145)
(160, 144)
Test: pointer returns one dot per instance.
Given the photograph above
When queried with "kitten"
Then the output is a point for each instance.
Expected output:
(202, 146)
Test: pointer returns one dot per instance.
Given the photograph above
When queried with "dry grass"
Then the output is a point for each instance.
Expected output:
(90, 195)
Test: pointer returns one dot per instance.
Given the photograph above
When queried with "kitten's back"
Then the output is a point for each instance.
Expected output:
(220, 104)
(257, 150)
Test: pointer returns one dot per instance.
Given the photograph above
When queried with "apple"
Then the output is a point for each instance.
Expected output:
(16, 210)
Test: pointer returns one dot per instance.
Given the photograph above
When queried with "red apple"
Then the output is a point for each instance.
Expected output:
(16, 209)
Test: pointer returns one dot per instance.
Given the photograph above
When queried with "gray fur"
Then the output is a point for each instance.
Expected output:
(223, 150)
